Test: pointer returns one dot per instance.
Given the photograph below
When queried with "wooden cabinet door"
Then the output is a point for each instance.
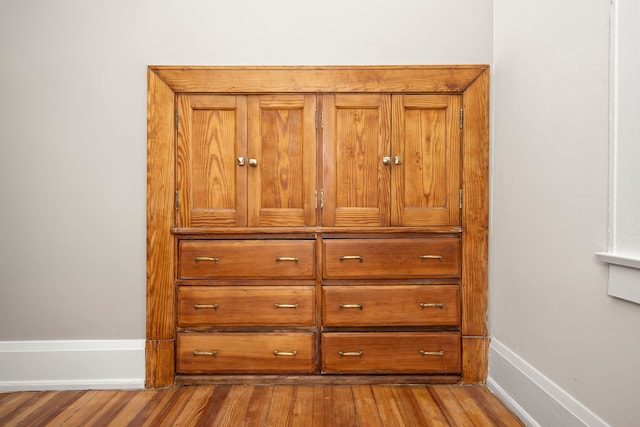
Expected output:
(282, 160)
(356, 138)
(211, 184)
(425, 177)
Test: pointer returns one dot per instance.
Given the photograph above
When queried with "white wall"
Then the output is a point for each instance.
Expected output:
(548, 296)
(73, 127)
(73, 137)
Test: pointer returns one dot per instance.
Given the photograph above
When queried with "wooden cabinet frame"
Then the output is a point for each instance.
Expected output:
(164, 82)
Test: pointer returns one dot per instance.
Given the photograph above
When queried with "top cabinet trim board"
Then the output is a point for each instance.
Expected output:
(422, 79)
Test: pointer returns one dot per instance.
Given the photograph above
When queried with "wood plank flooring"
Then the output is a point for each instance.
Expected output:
(260, 405)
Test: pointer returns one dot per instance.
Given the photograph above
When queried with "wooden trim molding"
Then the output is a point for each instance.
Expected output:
(164, 82)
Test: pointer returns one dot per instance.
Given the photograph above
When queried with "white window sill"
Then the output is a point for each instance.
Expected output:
(626, 261)
(624, 276)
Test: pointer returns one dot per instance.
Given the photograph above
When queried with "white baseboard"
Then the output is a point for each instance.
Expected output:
(533, 397)
(72, 365)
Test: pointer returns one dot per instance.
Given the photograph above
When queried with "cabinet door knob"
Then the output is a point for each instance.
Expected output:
(386, 160)
(240, 161)
(397, 160)
(253, 162)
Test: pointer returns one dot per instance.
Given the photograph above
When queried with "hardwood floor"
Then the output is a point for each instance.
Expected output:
(260, 405)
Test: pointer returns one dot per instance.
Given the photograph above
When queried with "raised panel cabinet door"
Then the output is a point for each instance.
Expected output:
(211, 167)
(282, 160)
(425, 175)
(356, 144)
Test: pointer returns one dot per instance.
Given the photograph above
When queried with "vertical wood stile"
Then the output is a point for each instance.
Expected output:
(475, 229)
(160, 243)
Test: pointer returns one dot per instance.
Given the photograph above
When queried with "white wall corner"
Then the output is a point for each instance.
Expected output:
(72, 365)
(533, 397)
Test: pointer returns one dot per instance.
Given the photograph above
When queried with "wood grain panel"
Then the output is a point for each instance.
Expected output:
(391, 258)
(246, 306)
(160, 356)
(201, 259)
(426, 139)
(395, 305)
(160, 175)
(430, 79)
(475, 219)
(240, 352)
(475, 360)
(355, 180)
(282, 141)
(212, 135)
(391, 352)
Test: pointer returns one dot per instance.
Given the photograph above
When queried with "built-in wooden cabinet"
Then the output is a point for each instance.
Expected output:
(317, 222)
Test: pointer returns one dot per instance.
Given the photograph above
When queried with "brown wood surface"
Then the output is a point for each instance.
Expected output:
(246, 352)
(391, 258)
(160, 243)
(475, 359)
(391, 305)
(390, 352)
(425, 169)
(475, 222)
(159, 372)
(261, 405)
(475, 219)
(246, 306)
(247, 259)
(282, 141)
(385, 79)
(357, 135)
(212, 135)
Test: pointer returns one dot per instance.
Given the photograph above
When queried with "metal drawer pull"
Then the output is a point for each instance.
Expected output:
(209, 306)
(351, 353)
(206, 258)
(213, 353)
(287, 306)
(432, 353)
(423, 257)
(285, 353)
(286, 258)
(428, 305)
(358, 306)
(347, 257)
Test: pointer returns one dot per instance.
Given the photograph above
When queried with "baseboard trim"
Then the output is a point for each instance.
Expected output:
(72, 365)
(536, 399)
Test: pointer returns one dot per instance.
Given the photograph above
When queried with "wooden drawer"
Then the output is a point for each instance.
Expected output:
(245, 353)
(420, 305)
(391, 258)
(391, 352)
(246, 306)
(210, 259)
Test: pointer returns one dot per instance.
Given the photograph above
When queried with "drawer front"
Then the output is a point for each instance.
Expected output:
(391, 258)
(246, 306)
(211, 259)
(422, 305)
(245, 353)
(393, 352)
